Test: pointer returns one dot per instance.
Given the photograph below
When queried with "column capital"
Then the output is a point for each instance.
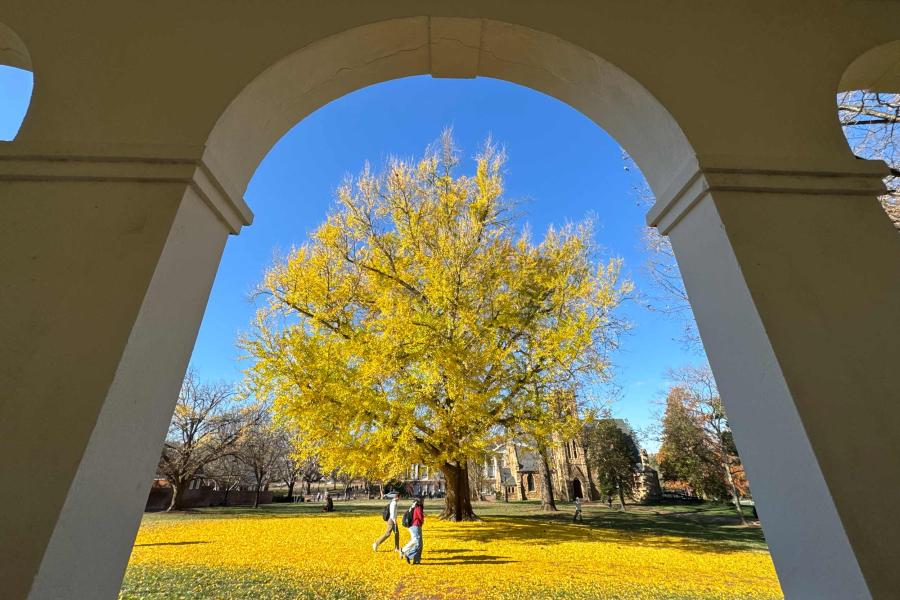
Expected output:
(190, 165)
(704, 175)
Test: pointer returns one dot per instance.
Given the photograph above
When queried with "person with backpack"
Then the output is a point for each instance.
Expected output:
(389, 514)
(414, 518)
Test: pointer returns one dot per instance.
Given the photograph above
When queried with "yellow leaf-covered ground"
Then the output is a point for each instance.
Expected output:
(291, 554)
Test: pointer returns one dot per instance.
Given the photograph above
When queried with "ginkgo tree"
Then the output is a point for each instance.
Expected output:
(415, 323)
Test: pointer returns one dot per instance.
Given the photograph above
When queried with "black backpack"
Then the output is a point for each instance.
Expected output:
(407, 517)
(386, 513)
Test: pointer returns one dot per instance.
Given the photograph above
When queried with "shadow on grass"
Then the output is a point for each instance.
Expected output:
(475, 559)
(639, 530)
(705, 527)
(461, 556)
(169, 544)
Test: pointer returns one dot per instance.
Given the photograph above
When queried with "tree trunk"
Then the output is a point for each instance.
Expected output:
(290, 493)
(256, 498)
(458, 501)
(735, 497)
(622, 498)
(308, 484)
(178, 490)
(547, 501)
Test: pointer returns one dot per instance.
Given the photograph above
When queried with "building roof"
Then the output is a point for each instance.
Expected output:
(529, 462)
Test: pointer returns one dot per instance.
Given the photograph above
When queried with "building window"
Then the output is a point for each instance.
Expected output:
(530, 482)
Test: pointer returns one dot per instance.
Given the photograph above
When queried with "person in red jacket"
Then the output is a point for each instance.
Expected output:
(412, 551)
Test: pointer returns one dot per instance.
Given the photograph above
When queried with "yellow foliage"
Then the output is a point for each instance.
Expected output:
(417, 325)
(496, 558)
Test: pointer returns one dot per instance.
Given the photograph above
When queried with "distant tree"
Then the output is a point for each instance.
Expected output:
(704, 402)
(613, 456)
(697, 444)
(477, 478)
(310, 472)
(291, 468)
(261, 449)
(682, 453)
(228, 473)
(558, 420)
(207, 425)
(288, 470)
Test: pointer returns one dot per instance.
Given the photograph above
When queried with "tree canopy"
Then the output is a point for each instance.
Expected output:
(418, 320)
(614, 456)
(697, 444)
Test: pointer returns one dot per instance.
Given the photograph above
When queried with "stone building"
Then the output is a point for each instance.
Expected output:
(514, 470)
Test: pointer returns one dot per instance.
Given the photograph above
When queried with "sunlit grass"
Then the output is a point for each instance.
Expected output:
(293, 551)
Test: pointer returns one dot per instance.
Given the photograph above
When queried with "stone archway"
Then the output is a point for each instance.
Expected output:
(789, 263)
(577, 490)
(446, 47)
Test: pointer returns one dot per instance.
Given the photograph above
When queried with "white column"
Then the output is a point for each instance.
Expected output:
(111, 262)
(794, 278)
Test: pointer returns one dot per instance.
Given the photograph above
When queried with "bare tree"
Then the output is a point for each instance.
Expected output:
(228, 473)
(288, 470)
(310, 472)
(871, 122)
(667, 294)
(291, 468)
(207, 425)
(262, 448)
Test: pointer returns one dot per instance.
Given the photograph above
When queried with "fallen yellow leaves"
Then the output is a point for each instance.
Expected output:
(500, 557)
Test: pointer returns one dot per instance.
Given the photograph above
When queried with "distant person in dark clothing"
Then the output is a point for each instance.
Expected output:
(329, 503)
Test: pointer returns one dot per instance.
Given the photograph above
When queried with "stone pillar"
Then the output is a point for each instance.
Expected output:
(108, 262)
(794, 278)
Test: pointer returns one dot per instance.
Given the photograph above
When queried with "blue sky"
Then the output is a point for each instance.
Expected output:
(560, 164)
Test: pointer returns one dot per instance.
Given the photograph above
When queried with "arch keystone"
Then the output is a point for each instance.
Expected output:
(454, 46)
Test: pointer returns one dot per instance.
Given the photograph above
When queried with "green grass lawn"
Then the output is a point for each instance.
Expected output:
(705, 522)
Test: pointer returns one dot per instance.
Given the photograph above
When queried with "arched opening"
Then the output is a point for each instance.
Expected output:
(16, 83)
(869, 112)
(613, 90)
(446, 47)
(577, 491)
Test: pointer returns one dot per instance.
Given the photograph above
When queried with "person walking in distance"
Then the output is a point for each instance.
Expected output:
(414, 518)
(577, 516)
(390, 516)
